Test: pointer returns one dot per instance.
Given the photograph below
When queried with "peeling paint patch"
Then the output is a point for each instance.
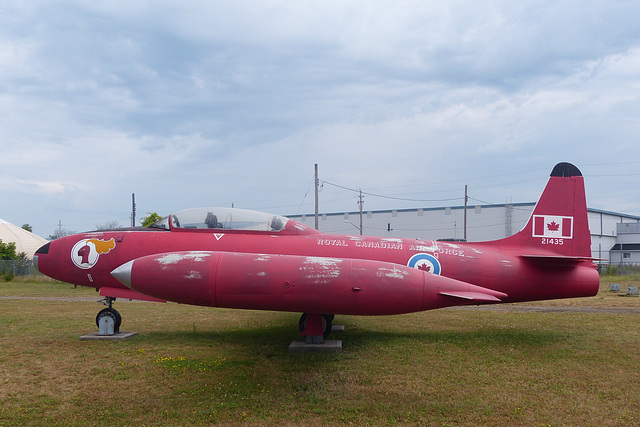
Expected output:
(323, 261)
(322, 270)
(194, 275)
(263, 257)
(392, 273)
(391, 240)
(174, 258)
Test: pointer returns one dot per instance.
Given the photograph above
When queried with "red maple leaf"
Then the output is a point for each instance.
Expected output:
(424, 267)
(553, 226)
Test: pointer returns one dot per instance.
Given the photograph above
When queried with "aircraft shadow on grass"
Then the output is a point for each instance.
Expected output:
(278, 335)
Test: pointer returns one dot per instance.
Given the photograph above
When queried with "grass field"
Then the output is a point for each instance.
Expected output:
(571, 362)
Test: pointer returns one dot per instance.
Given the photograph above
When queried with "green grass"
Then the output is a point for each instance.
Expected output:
(194, 365)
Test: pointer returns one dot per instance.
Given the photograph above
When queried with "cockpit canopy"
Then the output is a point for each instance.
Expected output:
(223, 219)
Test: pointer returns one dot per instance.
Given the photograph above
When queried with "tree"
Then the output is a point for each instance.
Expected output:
(8, 251)
(109, 225)
(61, 232)
(150, 219)
(27, 227)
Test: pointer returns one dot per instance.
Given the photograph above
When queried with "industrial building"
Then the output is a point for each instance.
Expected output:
(627, 247)
(615, 237)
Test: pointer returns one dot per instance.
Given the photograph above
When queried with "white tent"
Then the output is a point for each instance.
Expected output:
(25, 241)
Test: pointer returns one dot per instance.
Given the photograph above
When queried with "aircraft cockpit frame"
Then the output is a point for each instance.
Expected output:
(227, 219)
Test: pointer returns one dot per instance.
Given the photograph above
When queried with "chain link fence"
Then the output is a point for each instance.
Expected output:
(620, 269)
(15, 268)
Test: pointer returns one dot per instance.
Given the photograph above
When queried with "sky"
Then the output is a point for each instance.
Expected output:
(211, 103)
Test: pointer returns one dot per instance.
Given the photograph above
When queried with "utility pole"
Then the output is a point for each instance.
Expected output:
(316, 185)
(466, 198)
(60, 228)
(360, 203)
(133, 209)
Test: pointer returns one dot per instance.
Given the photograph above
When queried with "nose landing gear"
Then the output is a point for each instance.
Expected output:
(108, 319)
(108, 322)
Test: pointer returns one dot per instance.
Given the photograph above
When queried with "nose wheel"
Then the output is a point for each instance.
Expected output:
(109, 316)
(108, 319)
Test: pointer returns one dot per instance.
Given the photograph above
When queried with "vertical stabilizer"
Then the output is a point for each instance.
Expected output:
(559, 223)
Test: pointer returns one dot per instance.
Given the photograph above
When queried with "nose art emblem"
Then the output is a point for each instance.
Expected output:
(86, 252)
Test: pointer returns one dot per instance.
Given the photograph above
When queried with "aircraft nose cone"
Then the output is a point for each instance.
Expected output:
(123, 274)
(43, 250)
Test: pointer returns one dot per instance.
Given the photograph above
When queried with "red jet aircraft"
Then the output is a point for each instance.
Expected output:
(234, 258)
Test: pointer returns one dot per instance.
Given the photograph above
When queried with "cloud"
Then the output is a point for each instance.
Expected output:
(16, 185)
(195, 103)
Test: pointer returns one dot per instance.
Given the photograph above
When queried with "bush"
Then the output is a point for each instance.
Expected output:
(609, 270)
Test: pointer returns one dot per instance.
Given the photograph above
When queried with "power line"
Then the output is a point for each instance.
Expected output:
(305, 195)
(382, 196)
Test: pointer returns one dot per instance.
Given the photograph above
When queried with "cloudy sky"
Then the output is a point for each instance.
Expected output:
(204, 103)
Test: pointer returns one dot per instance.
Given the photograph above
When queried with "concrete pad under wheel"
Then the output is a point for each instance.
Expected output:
(115, 337)
(326, 347)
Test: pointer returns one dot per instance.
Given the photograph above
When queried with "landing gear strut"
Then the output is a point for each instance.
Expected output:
(108, 319)
(315, 327)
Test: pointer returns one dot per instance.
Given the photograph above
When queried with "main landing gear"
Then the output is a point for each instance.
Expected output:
(315, 327)
(108, 319)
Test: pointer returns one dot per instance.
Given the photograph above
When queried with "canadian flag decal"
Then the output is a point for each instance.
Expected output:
(560, 227)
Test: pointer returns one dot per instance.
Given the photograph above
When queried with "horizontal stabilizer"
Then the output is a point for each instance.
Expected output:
(472, 296)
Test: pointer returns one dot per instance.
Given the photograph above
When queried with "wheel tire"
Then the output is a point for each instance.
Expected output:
(327, 322)
(113, 313)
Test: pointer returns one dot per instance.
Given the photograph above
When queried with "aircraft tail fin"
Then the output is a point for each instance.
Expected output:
(558, 226)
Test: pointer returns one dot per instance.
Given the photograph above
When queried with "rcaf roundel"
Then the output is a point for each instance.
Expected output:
(425, 262)
(553, 226)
